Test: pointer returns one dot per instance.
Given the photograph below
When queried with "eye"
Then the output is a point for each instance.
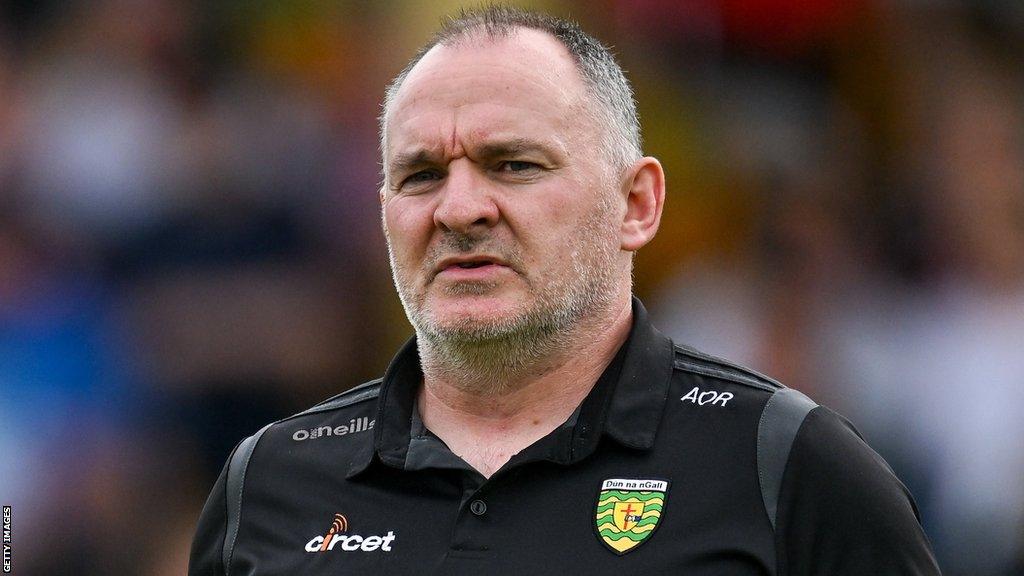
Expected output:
(517, 166)
(420, 177)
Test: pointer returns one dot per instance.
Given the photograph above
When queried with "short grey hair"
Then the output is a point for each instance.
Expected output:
(606, 84)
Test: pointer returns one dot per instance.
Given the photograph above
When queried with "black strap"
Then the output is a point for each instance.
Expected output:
(780, 421)
(233, 493)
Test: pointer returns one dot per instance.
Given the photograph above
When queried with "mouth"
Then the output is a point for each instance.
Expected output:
(473, 264)
(457, 264)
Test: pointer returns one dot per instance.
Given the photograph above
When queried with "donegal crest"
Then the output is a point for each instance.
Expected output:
(628, 511)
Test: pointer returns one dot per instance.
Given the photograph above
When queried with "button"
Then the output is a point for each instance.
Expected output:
(478, 507)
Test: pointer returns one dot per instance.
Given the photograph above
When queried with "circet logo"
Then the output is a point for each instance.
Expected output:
(349, 543)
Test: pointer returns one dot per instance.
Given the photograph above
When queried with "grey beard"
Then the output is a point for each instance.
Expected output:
(488, 365)
(489, 359)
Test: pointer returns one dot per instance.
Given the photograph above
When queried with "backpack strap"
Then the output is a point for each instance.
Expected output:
(233, 492)
(781, 419)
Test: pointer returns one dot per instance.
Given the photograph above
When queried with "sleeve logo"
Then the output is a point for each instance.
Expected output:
(696, 396)
(354, 425)
(628, 511)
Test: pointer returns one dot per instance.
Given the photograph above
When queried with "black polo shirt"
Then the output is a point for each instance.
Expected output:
(675, 463)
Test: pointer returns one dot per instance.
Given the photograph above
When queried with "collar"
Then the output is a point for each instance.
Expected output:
(625, 404)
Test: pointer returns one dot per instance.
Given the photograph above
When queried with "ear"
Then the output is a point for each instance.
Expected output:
(644, 188)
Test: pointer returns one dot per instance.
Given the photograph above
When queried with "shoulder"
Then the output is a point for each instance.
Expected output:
(757, 415)
(827, 449)
(301, 445)
(822, 487)
(841, 505)
(690, 360)
(750, 419)
(794, 438)
(362, 393)
(350, 412)
(704, 380)
(327, 432)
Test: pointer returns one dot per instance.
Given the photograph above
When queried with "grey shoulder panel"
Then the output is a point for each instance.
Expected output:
(781, 419)
(233, 490)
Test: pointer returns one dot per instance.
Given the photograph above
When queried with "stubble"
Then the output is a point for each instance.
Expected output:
(488, 356)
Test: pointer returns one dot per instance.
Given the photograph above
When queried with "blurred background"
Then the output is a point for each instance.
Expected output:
(190, 242)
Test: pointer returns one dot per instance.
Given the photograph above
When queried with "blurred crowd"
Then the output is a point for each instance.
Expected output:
(190, 243)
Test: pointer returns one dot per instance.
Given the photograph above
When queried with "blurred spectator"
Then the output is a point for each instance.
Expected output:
(889, 280)
(940, 377)
(101, 149)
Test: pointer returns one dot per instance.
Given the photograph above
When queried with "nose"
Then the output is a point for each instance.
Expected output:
(466, 203)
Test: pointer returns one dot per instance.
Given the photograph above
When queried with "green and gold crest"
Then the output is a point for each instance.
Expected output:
(628, 511)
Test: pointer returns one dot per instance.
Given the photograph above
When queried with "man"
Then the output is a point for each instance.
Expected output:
(538, 423)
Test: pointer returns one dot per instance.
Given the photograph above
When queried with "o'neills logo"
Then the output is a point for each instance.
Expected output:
(353, 426)
(349, 542)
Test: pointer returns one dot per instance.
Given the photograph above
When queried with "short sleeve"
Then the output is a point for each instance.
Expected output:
(842, 511)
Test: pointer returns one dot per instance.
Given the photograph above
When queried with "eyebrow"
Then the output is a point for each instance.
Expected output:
(405, 161)
(408, 160)
(512, 147)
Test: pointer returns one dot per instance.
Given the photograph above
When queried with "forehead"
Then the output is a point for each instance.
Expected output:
(481, 87)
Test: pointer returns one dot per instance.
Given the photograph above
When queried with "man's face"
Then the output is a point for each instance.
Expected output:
(500, 213)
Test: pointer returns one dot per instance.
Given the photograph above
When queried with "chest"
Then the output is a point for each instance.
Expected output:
(621, 513)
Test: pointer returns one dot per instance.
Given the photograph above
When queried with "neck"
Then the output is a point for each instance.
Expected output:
(487, 417)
